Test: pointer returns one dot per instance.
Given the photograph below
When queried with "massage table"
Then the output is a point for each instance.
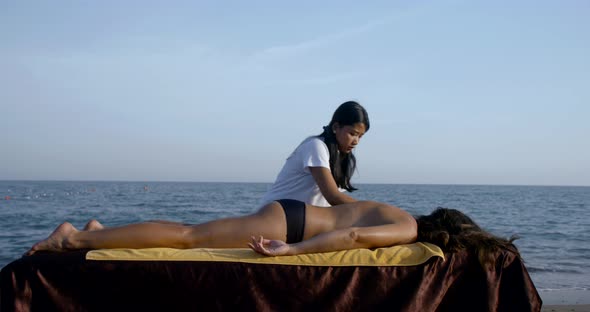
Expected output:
(413, 277)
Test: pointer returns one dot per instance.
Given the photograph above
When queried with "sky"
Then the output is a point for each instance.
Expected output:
(458, 92)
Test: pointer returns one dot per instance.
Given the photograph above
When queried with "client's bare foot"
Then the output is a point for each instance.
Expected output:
(93, 225)
(57, 241)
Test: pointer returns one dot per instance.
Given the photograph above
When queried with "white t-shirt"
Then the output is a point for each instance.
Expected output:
(295, 180)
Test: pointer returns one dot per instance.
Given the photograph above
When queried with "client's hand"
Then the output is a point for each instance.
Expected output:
(269, 247)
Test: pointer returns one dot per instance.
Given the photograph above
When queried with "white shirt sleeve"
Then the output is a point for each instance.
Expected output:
(314, 153)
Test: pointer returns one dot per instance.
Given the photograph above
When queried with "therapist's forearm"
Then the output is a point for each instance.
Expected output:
(340, 198)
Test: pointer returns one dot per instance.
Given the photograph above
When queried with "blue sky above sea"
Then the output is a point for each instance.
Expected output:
(459, 92)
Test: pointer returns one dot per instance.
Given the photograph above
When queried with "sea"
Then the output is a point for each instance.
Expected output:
(553, 222)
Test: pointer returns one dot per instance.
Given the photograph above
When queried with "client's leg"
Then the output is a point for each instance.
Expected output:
(228, 232)
(270, 222)
(93, 225)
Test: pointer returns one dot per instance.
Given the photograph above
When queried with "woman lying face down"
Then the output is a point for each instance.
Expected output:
(289, 227)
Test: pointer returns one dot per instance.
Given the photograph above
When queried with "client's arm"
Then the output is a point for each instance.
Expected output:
(343, 239)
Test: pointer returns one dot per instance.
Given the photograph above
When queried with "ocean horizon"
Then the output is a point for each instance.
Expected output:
(269, 182)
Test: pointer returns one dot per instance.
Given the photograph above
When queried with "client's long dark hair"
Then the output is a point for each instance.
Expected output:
(453, 231)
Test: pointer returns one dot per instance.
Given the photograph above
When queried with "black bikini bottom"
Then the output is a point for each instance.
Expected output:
(295, 213)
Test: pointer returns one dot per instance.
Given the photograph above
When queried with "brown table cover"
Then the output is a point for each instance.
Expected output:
(69, 282)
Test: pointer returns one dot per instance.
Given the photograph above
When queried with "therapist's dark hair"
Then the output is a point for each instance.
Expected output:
(344, 165)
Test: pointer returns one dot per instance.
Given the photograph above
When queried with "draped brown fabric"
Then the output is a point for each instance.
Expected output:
(68, 282)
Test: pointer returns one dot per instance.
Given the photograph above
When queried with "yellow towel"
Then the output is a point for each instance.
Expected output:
(403, 255)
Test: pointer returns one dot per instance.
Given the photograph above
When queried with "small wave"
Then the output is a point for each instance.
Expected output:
(554, 235)
(552, 270)
(564, 289)
(168, 206)
(204, 212)
(173, 206)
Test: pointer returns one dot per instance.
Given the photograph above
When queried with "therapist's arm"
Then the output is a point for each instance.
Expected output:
(324, 179)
